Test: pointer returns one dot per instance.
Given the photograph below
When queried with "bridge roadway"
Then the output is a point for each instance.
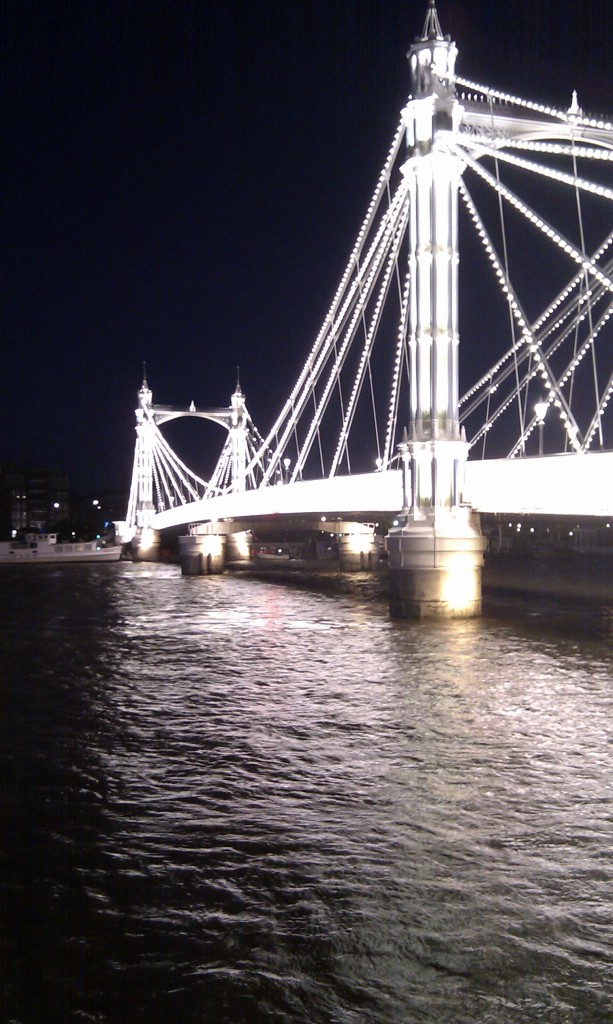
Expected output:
(574, 485)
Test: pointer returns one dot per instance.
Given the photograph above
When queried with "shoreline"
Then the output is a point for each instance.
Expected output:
(568, 578)
(573, 593)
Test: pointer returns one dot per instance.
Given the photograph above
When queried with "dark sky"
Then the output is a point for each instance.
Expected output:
(183, 182)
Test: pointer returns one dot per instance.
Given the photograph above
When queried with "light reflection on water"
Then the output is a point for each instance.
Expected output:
(230, 800)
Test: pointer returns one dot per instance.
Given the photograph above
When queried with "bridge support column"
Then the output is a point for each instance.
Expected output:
(436, 554)
(238, 546)
(435, 568)
(358, 551)
(202, 554)
(145, 545)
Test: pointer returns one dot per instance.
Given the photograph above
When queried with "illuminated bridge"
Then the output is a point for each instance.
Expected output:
(491, 210)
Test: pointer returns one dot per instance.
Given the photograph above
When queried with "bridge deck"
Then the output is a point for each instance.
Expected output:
(577, 485)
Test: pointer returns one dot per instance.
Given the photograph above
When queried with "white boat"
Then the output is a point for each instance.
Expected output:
(44, 547)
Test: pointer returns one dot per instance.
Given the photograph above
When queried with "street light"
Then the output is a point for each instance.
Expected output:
(540, 410)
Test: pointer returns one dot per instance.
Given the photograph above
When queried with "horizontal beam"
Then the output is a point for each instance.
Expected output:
(165, 413)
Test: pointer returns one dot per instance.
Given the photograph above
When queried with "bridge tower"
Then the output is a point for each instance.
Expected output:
(145, 540)
(436, 551)
(238, 429)
(161, 481)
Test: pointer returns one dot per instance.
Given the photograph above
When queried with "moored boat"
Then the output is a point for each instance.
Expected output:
(44, 547)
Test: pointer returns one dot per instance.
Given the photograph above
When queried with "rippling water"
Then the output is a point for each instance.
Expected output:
(232, 801)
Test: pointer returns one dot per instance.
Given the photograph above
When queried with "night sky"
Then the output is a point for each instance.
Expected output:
(183, 182)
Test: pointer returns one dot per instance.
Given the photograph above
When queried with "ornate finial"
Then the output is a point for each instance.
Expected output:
(432, 61)
(238, 381)
(145, 396)
(432, 26)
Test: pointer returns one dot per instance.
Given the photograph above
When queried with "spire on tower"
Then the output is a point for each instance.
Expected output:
(145, 395)
(432, 26)
(574, 106)
(432, 59)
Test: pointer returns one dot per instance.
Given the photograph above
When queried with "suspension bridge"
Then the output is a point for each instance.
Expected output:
(488, 205)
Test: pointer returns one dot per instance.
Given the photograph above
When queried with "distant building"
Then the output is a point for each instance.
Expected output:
(32, 499)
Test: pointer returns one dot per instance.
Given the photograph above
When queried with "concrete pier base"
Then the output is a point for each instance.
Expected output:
(238, 546)
(145, 545)
(435, 566)
(358, 552)
(202, 554)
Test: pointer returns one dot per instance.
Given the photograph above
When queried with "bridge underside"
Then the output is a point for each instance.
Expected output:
(575, 485)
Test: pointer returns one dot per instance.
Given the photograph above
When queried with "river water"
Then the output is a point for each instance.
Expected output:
(228, 800)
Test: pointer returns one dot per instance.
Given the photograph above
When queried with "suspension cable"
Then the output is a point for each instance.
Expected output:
(587, 289)
(520, 409)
